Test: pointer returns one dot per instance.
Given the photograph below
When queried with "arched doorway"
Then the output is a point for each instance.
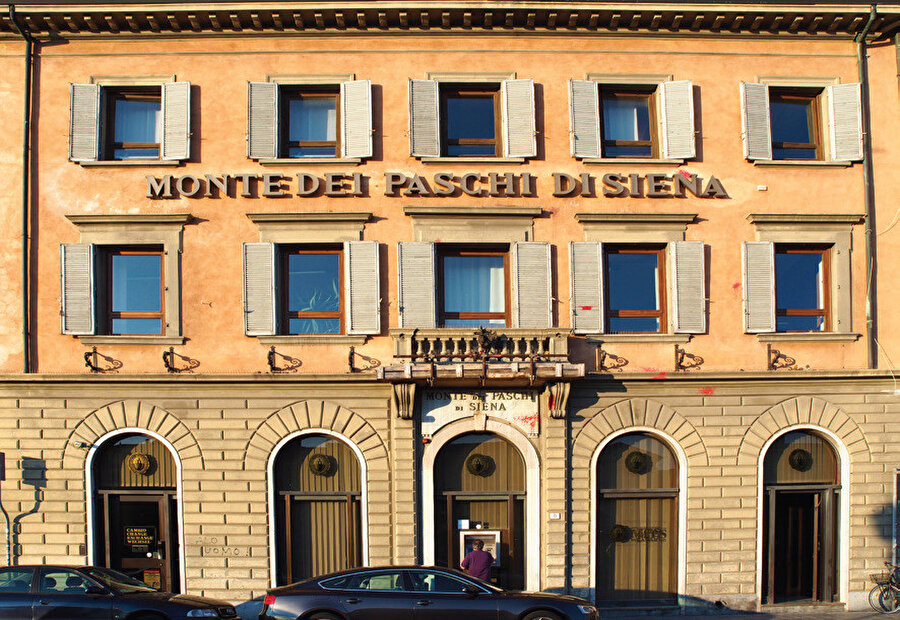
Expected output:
(317, 506)
(637, 528)
(801, 491)
(479, 492)
(135, 480)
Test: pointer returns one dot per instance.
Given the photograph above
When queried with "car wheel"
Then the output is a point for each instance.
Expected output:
(542, 615)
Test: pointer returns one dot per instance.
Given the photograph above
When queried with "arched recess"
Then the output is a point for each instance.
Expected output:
(623, 417)
(120, 418)
(532, 488)
(324, 417)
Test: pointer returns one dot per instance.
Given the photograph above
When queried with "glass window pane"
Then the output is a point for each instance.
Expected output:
(312, 151)
(793, 153)
(314, 326)
(16, 580)
(136, 283)
(147, 153)
(312, 119)
(626, 118)
(474, 284)
(474, 323)
(469, 117)
(136, 121)
(798, 281)
(799, 323)
(430, 581)
(62, 582)
(633, 324)
(313, 282)
(463, 150)
(637, 461)
(632, 281)
(627, 151)
(790, 120)
(136, 326)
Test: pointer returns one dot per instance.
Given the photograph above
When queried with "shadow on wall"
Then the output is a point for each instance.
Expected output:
(34, 474)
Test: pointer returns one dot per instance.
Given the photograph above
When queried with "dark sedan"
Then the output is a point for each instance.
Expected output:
(415, 593)
(93, 593)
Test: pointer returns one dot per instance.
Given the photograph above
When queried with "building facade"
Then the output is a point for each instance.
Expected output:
(291, 288)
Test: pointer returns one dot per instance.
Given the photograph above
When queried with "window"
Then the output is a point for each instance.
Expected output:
(801, 288)
(309, 123)
(635, 289)
(440, 583)
(311, 284)
(628, 122)
(55, 581)
(16, 580)
(146, 119)
(315, 118)
(134, 292)
(459, 115)
(801, 119)
(631, 117)
(473, 287)
(795, 124)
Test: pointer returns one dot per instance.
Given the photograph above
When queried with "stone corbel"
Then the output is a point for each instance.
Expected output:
(557, 398)
(404, 399)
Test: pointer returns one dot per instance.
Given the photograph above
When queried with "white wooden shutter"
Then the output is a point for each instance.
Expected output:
(415, 260)
(677, 103)
(361, 287)
(845, 112)
(356, 118)
(424, 119)
(77, 288)
(689, 286)
(259, 289)
(756, 131)
(759, 286)
(519, 134)
(586, 302)
(584, 118)
(262, 120)
(176, 113)
(84, 122)
(531, 285)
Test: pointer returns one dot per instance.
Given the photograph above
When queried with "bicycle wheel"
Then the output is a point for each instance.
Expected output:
(883, 599)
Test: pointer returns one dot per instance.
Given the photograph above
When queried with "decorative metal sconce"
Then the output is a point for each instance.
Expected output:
(608, 361)
(370, 362)
(779, 361)
(686, 361)
(169, 359)
(92, 361)
(292, 362)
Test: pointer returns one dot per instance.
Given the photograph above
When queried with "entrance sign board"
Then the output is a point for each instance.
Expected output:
(140, 538)
(518, 407)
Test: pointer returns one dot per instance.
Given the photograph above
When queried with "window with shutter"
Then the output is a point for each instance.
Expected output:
(473, 286)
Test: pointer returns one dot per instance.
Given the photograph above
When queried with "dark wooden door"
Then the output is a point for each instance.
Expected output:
(324, 534)
(140, 536)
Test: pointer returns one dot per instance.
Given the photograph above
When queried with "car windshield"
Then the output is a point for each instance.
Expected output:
(123, 584)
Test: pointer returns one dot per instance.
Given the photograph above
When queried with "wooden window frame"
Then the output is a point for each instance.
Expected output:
(443, 252)
(110, 314)
(825, 252)
(285, 316)
(661, 313)
(473, 91)
(647, 92)
(289, 93)
(111, 94)
(813, 119)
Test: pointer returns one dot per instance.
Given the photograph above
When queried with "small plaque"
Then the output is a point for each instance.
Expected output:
(153, 578)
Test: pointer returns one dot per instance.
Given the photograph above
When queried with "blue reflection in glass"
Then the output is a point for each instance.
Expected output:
(799, 323)
(474, 323)
(312, 151)
(633, 324)
(136, 121)
(136, 283)
(314, 326)
(626, 118)
(313, 282)
(632, 281)
(798, 281)
(790, 120)
(136, 326)
(312, 119)
(463, 150)
(474, 284)
(469, 117)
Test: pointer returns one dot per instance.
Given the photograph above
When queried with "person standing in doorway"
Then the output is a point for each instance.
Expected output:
(477, 562)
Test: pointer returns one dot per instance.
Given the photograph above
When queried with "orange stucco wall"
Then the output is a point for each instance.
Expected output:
(219, 69)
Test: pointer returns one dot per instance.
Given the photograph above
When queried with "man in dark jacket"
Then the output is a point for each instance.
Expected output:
(477, 562)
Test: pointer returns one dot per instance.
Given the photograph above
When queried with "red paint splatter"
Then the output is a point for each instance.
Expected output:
(587, 307)
(735, 286)
(661, 375)
(685, 174)
(706, 391)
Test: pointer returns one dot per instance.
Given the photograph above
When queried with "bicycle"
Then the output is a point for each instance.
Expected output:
(884, 597)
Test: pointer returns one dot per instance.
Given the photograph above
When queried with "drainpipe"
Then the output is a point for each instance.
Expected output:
(26, 185)
(869, 188)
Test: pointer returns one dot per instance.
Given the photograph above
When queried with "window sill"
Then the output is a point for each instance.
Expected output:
(131, 163)
(310, 161)
(473, 160)
(314, 339)
(157, 340)
(642, 338)
(809, 337)
(632, 161)
(802, 162)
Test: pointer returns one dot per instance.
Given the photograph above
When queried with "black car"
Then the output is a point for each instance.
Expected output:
(94, 593)
(415, 593)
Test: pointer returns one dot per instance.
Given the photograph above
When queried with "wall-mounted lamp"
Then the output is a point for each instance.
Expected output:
(83, 444)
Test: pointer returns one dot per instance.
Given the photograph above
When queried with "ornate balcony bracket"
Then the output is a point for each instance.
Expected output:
(92, 362)
(292, 365)
(687, 361)
(558, 398)
(779, 361)
(609, 362)
(404, 399)
(170, 361)
(370, 362)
